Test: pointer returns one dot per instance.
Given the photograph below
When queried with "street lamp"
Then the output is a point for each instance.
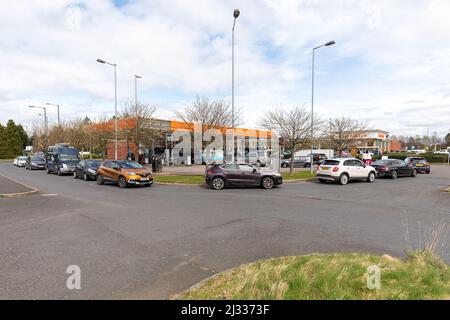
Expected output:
(135, 88)
(330, 43)
(115, 103)
(55, 105)
(236, 14)
(45, 116)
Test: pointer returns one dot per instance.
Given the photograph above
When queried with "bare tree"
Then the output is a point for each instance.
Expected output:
(210, 114)
(345, 132)
(143, 129)
(293, 126)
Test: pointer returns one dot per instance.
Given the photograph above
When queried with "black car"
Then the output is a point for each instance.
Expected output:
(219, 176)
(302, 162)
(86, 169)
(35, 162)
(394, 168)
(421, 164)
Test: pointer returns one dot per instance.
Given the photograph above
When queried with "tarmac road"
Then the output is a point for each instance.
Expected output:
(150, 243)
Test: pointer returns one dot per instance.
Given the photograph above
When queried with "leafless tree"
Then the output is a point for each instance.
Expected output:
(210, 113)
(143, 129)
(293, 126)
(345, 132)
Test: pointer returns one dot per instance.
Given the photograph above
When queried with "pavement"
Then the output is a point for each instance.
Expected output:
(151, 243)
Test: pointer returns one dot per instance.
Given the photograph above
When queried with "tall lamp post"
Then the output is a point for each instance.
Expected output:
(45, 121)
(115, 104)
(330, 43)
(135, 89)
(236, 14)
(55, 105)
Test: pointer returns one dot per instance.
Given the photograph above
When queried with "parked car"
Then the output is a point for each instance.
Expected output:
(394, 168)
(124, 173)
(421, 164)
(62, 159)
(87, 169)
(219, 176)
(35, 162)
(20, 161)
(343, 170)
(302, 162)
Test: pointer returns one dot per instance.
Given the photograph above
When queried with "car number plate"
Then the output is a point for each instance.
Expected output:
(144, 179)
(325, 168)
(419, 165)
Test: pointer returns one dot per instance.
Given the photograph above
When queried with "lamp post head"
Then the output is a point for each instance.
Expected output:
(101, 61)
(137, 77)
(236, 13)
(330, 43)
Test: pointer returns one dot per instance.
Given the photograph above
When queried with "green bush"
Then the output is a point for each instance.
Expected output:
(432, 158)
(93, 156)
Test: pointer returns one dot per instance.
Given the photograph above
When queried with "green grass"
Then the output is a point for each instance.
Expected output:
(329, 277)
(298, 175)
(194, 179)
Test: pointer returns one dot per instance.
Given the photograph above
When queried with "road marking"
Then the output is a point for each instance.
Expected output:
(50, 195)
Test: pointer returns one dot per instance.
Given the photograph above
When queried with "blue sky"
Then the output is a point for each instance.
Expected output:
(389, 66)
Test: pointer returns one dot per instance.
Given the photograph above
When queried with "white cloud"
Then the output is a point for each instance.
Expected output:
(388, 53)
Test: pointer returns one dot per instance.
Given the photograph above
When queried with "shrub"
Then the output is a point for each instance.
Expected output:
(430, 157)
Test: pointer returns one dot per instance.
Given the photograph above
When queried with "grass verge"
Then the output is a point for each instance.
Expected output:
(298, 175)
(194, 179)
(329, 277)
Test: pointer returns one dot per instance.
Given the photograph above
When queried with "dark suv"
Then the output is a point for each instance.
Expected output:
(219, 176)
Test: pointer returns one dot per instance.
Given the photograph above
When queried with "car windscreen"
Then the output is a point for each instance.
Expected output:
(23, 158)
(93, 164)
(129, 165)
(37, 159)
(331, 163)
(69, 157)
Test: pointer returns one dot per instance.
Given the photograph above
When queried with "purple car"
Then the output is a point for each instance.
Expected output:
(219, 176)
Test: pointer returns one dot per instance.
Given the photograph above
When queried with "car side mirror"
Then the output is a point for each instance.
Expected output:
(254, 170)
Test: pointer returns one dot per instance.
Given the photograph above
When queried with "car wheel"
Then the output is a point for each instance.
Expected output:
(343, 179)
(283, 165)
(59, 172)
(122, 182)
(428, 172)
(394, 174)
(85, 177)
(100, 180)
(267, 183)
(48, 171)
(75, 176)
(414, 173)
(371, 177)
(218, 183)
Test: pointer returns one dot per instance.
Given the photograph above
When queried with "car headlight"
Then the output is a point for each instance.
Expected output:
(131, 173)
(33, 164)
(277, 174)
(91, 171)
(64, 165)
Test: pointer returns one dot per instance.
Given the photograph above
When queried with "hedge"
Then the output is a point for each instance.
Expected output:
(430, 157)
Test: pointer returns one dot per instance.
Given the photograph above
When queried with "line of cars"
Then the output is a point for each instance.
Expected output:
(62, 159)
(343, 170)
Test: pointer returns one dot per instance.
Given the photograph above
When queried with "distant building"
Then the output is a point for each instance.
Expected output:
(376, 141)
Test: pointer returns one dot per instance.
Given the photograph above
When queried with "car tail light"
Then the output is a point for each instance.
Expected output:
(209, 172)
(335, 169)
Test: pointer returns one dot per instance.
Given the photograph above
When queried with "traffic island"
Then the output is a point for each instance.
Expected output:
(11, 188)
(447, 189)
(330, 277)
